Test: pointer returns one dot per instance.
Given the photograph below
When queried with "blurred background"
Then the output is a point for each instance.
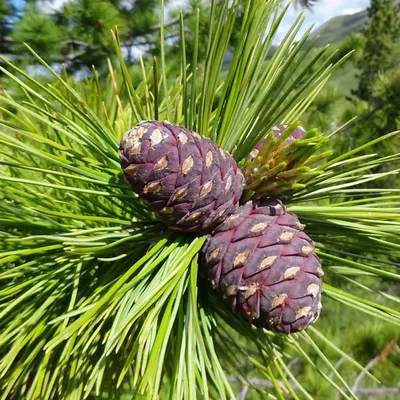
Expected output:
(75, 36)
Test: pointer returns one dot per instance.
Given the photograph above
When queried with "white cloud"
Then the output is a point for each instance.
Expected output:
(351, 11)
(177, 3)
(50, 6)
(321, 12)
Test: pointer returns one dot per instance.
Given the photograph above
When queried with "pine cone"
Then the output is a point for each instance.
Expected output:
(265, 266)
(189, 182)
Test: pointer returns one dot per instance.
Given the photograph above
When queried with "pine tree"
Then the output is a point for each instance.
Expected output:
(87, 24)
(78, 35)
(375, 102)
(40, 31)
(306, 3)
(100, 300)
(381, 34)
(141, 23)
(6, 11)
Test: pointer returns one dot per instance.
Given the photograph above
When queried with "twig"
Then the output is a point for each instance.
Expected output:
(292, 363)
(363, 372)
(254, 382)
(363, 118)
(264, 383)
(243, 393)
(379, 391)
(337, 365)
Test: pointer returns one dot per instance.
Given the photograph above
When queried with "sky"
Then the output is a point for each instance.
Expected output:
(320, 13)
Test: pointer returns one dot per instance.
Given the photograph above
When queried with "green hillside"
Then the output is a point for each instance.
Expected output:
(341, 26)
(338, 28)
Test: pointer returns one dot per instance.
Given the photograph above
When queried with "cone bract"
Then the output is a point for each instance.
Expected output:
(277, 131)
(265, 266)
(184, 177)
(280, 161)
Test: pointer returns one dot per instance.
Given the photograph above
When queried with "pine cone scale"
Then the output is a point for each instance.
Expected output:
(265, 267)
(189, 182)
(257, 256)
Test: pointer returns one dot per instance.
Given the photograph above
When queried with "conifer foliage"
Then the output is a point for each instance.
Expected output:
(381, 35)
(99, 300)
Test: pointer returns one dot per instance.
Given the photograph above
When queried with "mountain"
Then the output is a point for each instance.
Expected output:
(338, 28)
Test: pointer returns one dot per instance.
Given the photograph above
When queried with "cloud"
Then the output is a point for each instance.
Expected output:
(50, 6)
(177, 3)
(321, 12)
(351, 11)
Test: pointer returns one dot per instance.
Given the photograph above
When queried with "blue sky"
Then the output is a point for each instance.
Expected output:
(18, 3)
(321, 12)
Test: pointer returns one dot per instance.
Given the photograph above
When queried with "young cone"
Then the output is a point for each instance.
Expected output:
(189, 182)
(265, 267)
(277, 131)
(97, 302)
(281, 161)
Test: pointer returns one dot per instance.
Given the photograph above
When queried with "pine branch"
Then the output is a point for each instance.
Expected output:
(98, 296)
(378, 391)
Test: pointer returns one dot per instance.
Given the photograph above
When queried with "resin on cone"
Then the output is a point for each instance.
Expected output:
(189, 182)
(265, 266)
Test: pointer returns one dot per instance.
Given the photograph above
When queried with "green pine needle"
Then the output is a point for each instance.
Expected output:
(99, 300)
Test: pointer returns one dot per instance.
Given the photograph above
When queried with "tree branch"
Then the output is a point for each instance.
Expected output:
(363, 372)
(379, 391)
(253, 382)
(266, 384)
(363, 118)
(243, 393)
(337, 366)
